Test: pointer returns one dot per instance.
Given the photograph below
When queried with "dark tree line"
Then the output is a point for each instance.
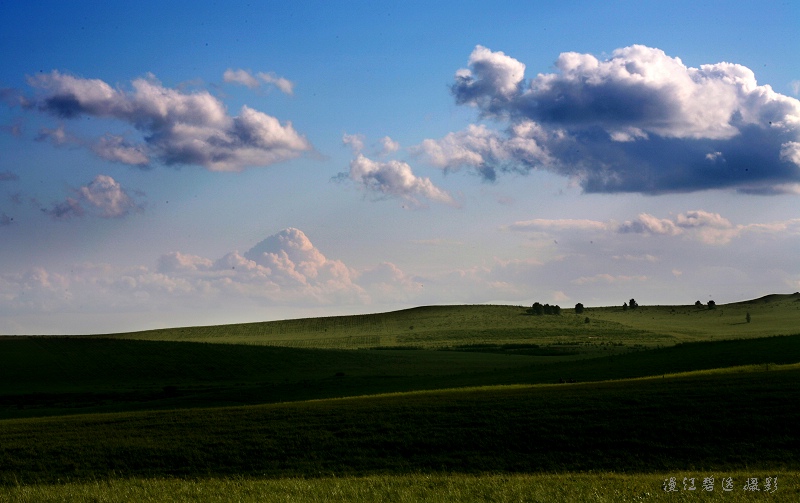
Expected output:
(537, 309)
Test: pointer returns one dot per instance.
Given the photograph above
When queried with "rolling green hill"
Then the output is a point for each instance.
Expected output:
(447, 326)
(444, 390)
(720, 420)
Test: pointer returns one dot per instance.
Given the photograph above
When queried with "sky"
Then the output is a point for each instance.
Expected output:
(179, 163)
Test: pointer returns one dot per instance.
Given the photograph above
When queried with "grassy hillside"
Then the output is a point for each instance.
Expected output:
(57, 375)
(464, 393)
(448, 326)
(707, 421)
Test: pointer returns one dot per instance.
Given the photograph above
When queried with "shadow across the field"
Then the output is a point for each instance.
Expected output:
(724, 421)
(54, 376)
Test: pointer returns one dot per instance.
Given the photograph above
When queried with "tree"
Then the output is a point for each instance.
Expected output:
(633, 304)
(578, 308)
(698, 304)
(537, 309)
(747, 317)
(624, 306)
(712, 304)
(557, 310)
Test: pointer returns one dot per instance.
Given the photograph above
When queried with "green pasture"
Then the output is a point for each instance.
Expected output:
(441, 403)
(734, 420)
(433, 488)
(436, 327)
(58, 375)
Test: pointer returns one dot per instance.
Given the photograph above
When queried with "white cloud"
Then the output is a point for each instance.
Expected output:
(492, 79)
(284, 85)
(648, 224)
(354, 141)
(103, 197)
(178, 127)
(240, 76)
(639, 121)
(246, 78)
(698, 225)
(487, 151)
(388, 146)
(395, 178)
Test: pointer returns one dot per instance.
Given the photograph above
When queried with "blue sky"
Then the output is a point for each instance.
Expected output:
(185, 163)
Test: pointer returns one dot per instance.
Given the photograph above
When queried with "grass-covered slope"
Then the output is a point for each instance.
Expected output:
(447, 326)
(717, 420)
(51, 376)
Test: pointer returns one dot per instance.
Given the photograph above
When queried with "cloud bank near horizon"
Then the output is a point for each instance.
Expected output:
(566, 260)
(639, 121)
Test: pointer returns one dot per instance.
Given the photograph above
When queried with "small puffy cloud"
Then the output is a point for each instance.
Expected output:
(395, 178)
(246, 78)
(487, 151)
(285, 86)
(648, 224)
(178, 127)
(795, 85)
(103, 196)
(700, 218)
(354, 141)
(388, 146)
(8, 176)
(106, 195)
(491, 80)
(638, 121)
(242, 77)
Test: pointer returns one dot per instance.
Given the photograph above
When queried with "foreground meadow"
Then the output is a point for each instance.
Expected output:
(440, 407)
(438, 488)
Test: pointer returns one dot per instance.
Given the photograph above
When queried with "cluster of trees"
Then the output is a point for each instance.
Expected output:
(539, 309)
(711, 304)
(631, 304)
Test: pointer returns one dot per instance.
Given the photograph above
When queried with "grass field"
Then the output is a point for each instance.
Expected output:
(423, 487)
(438, 404)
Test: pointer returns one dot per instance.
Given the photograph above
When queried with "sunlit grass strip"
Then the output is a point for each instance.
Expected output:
(566, 487)
(739, 369)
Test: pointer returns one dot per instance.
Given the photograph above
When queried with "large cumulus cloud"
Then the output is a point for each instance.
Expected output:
(178, 127)
(639, 121)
